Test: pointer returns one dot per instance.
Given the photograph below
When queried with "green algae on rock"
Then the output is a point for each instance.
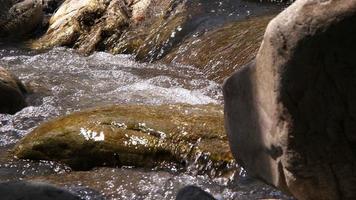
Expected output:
(134, 135)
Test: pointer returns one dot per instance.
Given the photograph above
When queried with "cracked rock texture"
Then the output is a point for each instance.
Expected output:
(290, 115)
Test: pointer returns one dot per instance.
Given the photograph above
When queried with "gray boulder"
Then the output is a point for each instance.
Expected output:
(21, 190)
(291, 114)
(12, 93)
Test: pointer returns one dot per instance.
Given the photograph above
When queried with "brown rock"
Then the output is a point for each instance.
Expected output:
(11, 93)
(19, 18)
(86, 25)
(290, 115)
(174, 29)
(151, 29)
(135, 135)
(220, 52)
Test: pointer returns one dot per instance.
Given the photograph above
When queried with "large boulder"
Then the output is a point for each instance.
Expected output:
(19, 18)
(290, 115)
(134, 135)
(12, 93)
(16, 190)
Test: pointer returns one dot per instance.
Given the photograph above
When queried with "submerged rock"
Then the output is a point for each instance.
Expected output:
(290, 115)
(30, 190)
(134, 135)
(19, 18)
(12, 93)
(193, 193)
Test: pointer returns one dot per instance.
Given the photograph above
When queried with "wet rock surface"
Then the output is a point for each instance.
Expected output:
(150, 29)
(19, 19)
(84, 24)
(142, 136)
(30, 190)
(221, 51)
(12, 93)
(193, 193)
(290, 114)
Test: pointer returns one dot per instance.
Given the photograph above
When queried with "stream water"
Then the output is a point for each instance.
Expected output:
(64, 81)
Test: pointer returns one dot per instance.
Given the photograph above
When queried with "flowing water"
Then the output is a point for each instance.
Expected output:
(63, 81)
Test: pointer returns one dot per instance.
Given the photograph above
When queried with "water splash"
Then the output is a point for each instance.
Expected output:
(64, 81)
(92, 135)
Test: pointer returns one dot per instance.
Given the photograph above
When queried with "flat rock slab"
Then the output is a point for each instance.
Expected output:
(134, 135)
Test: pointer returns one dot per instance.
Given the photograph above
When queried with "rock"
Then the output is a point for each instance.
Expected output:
(50, 6)
(86, 25)
(139, 8)
(20, 18)
(193, 193)
(30, 190)
(134, 135)
(220, 52)
(168, 24)
(150, 29)
(12, 93)
(290, 116)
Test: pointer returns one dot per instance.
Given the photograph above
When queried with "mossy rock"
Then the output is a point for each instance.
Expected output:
(135, 135)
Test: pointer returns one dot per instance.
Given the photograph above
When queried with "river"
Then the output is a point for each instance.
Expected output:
(64, 81)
